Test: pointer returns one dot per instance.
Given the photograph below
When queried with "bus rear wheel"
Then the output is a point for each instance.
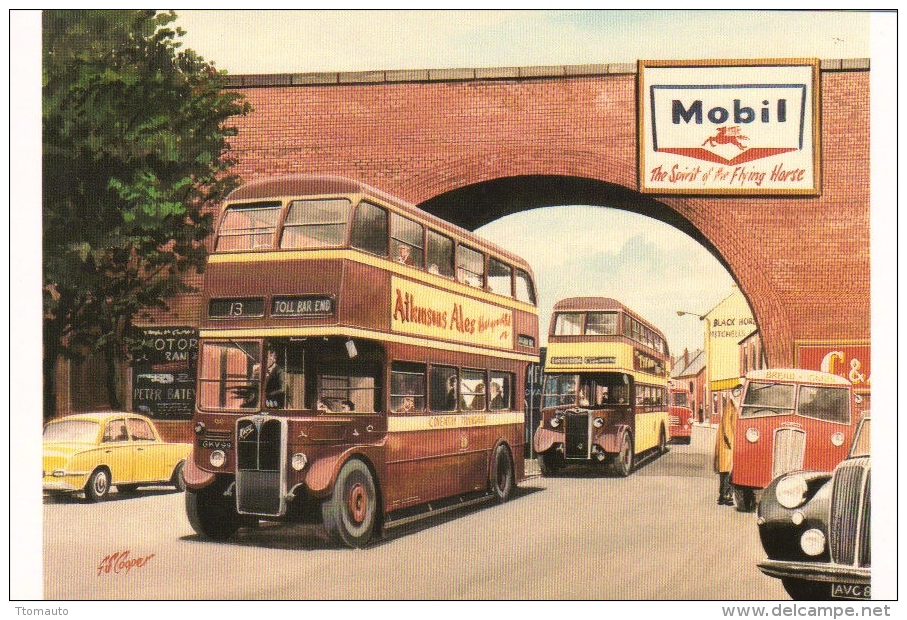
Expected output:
(211, 513)
(351, 512)
(623, 460)
(501, 475)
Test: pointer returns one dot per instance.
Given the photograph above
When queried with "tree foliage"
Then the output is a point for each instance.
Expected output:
(135, 146)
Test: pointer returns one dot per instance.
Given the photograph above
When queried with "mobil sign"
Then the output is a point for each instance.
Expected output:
(729, 127)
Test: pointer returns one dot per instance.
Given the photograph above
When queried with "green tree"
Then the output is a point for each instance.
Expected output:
(135, 152)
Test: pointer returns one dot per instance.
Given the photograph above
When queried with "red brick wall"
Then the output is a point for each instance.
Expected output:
(802, 262)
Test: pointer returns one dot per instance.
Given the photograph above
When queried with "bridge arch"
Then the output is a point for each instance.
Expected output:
(477, 204)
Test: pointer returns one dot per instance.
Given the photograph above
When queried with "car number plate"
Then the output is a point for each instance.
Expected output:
(851, 591)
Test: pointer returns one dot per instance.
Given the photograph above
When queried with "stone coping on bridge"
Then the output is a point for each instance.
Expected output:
(475, 74)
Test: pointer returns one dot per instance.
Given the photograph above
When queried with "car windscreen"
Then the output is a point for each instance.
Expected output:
(77, 431)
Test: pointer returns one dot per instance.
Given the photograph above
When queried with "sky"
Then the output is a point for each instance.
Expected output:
(679, 273)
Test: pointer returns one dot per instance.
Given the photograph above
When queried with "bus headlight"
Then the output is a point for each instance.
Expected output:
(555, 422)
(217, 458)
(837, 439)
(598, 422)
(752, 435)
(791, 491)
(812, 542)
(299, 461)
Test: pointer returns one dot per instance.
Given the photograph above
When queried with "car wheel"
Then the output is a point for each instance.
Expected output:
(501, 474)
(744, 499)
(177, 479)
(623, 460)
(801, 590)
(551, 462)
(211, 513)
(351, 512)
(98, 485)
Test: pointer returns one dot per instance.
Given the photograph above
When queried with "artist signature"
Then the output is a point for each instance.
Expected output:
(120, 562)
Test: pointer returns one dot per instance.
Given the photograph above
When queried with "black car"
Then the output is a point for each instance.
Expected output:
(815, 527)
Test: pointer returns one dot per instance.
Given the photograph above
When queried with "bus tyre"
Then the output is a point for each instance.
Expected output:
(211, 513)
(501, 475)
(623, 460)
(177, 479)
(350, 513)
(98, 485)
(744, 499)
(550, 463)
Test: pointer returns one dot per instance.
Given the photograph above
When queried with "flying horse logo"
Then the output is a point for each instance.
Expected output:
(727, 135)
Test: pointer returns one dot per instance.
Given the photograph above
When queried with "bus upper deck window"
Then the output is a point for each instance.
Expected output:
(316, 223)
(370, 229)
(525, 291)
(406, 236)
(470, 267)
(248, 226)
(601, 324)
(440, 254)
(568, 324)
(499, 277)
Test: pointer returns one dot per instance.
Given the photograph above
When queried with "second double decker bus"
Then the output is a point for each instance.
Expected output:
(605, 389)
(360, 361)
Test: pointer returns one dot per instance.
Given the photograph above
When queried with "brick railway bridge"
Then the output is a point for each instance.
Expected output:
(473, 145)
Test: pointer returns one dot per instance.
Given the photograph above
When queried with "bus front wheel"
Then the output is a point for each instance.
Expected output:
(623, 460)
(551, 462)
(351, 512)
(211, 513)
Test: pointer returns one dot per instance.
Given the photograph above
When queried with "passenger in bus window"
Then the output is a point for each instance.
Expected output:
(478, 401)
(450, 399)
(403, 254)
(497, 397)
(347, 405)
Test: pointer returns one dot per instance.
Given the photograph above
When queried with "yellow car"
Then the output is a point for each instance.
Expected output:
(91, 452)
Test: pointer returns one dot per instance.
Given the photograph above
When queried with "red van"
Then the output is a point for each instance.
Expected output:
(789, 419)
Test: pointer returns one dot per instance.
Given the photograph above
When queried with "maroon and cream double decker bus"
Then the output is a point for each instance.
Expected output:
(359, 359)
(606, 387)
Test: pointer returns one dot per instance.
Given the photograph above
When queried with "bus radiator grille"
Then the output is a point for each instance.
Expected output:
(258, 475)
(576, 436)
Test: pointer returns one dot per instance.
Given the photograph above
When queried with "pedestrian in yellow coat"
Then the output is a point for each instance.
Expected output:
(724, 448)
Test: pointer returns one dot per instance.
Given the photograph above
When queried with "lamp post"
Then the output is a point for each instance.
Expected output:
(696, 396)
